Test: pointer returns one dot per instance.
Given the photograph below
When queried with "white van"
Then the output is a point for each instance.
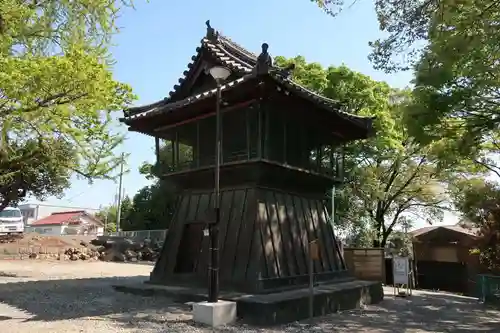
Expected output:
(11, 221)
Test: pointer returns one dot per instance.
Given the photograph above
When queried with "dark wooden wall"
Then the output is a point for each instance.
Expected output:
(264, 236)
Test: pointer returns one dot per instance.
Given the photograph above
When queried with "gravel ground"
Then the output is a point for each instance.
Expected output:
(66, 297)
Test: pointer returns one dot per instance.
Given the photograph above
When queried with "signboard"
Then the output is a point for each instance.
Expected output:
(314, 250)
(401, 270)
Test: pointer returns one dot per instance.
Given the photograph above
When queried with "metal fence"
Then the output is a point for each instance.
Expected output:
(489, 289)
(153, 235)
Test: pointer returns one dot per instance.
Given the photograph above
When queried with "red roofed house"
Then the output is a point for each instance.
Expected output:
(69, 223)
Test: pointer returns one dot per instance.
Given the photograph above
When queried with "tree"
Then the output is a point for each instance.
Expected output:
(452, 47)
(153, 206)
(56, 95)
(410, 25)
(109, 215)
(110, 227)
(457, 77)
(155, 171)
(479, 202)
(392, 179)
(33, 166)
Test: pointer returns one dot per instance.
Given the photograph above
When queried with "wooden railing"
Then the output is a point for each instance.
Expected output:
(244, 155)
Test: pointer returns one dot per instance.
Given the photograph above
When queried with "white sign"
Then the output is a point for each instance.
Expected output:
(401, 270)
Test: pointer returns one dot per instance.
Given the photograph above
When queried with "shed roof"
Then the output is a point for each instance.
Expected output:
(456, 228)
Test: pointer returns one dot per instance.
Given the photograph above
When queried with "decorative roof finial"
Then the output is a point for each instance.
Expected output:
(286, 72)
(265, 46)
(211, 33)
(264, 60)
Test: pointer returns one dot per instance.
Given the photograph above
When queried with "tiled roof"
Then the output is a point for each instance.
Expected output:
(72, 217)
(223, 49)
(157, 108)
(242, 62)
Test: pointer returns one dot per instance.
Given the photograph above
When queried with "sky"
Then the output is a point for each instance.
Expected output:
(159, 37)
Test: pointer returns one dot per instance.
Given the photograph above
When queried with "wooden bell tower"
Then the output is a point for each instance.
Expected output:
(281, 154)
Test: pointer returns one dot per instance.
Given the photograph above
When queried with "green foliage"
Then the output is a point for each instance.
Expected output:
(110, 227)
(33, 167)
(56, 86)
(152, 209)
(359, 234)
(153, 206)
(457, 77)
(410, 26)
(154, 171)
(400, 242)
(406, 25)
(109, 214)
(479, 202)
(393, 179)
(452, 46)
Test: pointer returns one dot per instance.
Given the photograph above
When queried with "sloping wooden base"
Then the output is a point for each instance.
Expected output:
(264, 236)
(277, 308)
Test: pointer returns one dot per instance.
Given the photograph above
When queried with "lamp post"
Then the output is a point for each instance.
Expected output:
(219, 74)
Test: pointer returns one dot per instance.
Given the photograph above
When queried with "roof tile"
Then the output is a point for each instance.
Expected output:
(72, 217)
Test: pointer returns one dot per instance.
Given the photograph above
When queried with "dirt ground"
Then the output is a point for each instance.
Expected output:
(33, 242)
(70, 297)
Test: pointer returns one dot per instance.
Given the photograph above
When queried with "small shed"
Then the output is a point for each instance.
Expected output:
(442, 257)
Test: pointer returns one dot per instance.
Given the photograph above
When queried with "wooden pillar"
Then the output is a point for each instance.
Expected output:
(177, 153)
(259, 134)
(284, 139)
(222, 137)
(343, 161)
(332, 162)
(157, 149)
(318, 158)
(247, 131)
(197, 156)
(172, 146)
(267, 121)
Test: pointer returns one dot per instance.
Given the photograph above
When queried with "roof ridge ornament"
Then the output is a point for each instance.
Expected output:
(264, 61)
(286, 72)
(212, 34)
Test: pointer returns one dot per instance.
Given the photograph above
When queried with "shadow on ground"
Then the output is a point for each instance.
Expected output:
(52, 300)
(429, 312)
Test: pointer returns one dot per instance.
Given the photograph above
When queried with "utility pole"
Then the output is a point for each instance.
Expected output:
(119, 204)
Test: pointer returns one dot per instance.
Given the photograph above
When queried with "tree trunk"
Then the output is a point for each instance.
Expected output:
(385, 236)
(380, 231)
